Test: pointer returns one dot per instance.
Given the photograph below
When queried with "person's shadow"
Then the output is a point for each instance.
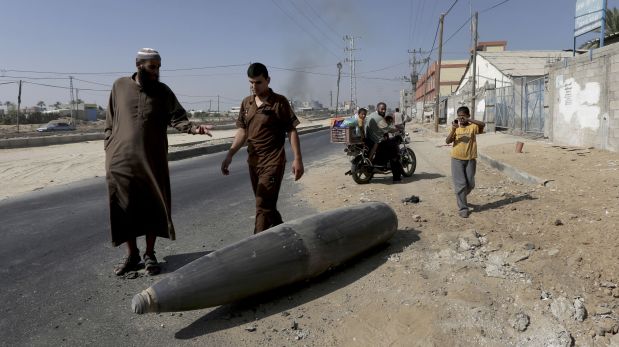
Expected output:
(174, 262)
(284, 298)
(426, 176)
(501, 203)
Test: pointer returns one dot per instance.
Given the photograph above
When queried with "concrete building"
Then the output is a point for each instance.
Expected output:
(491, 46)
(503, 68)
(451, 75)
(425, 95)
(406, 102)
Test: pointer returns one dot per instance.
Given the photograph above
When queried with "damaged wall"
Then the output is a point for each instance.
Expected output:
(582, 97)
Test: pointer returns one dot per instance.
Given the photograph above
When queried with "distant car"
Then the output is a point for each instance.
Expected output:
(56, 127)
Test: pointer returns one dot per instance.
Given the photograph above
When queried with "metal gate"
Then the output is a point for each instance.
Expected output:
(504, 107)
(534, 106)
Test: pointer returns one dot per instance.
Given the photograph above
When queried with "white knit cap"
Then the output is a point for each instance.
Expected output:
(148, 54)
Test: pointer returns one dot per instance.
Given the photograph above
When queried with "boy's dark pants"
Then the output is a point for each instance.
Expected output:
(463, 173)
(266, 182)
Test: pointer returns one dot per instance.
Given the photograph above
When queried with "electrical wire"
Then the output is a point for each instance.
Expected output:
(313, 24)
(492, 7)
(320, 17)
(450, 7)
(304, 30)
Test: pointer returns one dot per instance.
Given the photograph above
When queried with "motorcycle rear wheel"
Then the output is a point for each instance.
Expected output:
(409, 162)
(362, 173)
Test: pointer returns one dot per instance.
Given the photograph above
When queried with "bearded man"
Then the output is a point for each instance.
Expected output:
(139, 112)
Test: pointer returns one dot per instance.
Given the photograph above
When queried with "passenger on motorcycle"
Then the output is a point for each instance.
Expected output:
(357, 122)
(382, 148)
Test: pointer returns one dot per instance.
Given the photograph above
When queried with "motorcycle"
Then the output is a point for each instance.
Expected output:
(363, 170)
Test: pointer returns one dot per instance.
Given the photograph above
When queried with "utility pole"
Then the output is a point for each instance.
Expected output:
(18, 104)
(209, 105)
(350, 48)
(474, 67)
(415, 74)
(217, 103)
(437, 83)
(337, 96)
(331, 99)
(71, 99)
(77, 104)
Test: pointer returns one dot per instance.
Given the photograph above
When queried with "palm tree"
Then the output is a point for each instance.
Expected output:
(612, 21)
(57, 105)
(611, 27)
(41, 104)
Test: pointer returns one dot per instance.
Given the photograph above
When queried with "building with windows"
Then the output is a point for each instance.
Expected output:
(451, 74)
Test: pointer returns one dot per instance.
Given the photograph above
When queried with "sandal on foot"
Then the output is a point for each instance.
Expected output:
(128, 264)
(151, 265)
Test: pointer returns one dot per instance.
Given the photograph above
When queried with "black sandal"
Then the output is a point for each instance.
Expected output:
(151, 265)
(128, 264)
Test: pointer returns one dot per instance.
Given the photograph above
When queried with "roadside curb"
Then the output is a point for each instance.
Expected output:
(204, 148)
(512, 172)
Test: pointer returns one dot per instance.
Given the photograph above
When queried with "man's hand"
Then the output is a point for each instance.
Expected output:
(297, 169)
(225, 164)
(203, 129)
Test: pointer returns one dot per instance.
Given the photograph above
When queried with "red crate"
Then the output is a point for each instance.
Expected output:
(345, 135)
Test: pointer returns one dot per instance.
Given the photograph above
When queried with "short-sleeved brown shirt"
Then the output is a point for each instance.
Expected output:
(266, 128)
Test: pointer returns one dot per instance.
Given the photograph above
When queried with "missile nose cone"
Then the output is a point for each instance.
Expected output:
(142, 303)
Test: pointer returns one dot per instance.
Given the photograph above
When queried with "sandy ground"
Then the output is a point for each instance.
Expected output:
(532, 266)
(24, 170)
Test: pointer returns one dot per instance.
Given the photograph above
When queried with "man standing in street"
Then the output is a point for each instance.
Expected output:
(263, 122)
(463, 156)
(136, 146)
(382, 148)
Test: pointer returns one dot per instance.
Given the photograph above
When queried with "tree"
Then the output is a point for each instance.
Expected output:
(8, 104)
(611, 27)
(612, 21)
(57, 105)
(41, 104)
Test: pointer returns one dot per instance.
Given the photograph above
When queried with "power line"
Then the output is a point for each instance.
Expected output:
(460, 28)
(465, 22)
(91, 82)
(492, 7)
(304, 30)
(121, 72)
(450, 7)
(417, 17)
(384, 68)
(63, 87)
(320, 17)
(313, 24)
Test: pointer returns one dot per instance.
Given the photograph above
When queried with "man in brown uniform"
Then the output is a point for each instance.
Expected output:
(263, 122)
(136, 146)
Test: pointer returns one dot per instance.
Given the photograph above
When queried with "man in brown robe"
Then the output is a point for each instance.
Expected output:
(263, 122)
(136, 146)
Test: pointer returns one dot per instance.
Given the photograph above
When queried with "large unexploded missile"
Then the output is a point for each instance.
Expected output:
(290, 252)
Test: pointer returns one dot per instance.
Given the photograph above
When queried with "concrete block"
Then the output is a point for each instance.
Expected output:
(614, 104)
(614, 68)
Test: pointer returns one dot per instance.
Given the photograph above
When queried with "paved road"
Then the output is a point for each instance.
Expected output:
(57, 287)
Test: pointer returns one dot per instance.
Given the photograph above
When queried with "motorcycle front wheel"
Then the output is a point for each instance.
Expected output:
(362, 172)
(409, 162)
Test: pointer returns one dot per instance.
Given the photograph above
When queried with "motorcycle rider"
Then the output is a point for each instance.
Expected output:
(382, 147)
